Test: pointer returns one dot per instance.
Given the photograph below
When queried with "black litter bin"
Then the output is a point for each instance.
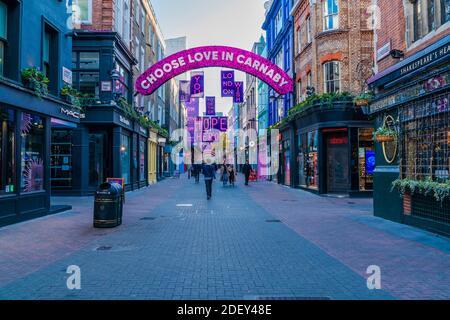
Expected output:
(108, 206)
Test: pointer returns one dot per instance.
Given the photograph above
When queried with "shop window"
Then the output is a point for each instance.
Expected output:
(90, 83)
(428, 15)
(425, 133)
(61, 159)
(89, 60)
(330, 15)
(7, 151)
(122, 85)
(125, 158)
(366, 158)
(97, 157)
(32, 129)
(332, 78)
(142, 160)
(308, 160)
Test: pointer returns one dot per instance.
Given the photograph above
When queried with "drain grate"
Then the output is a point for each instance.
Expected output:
(273, 221)
(148, 219)
(104, 248)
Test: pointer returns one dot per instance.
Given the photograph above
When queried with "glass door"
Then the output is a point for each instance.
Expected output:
(96, 159)
(337, 163)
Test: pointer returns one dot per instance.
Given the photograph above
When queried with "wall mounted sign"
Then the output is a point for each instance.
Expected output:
(227, 83)
(67, 75)
(214, 56)
(106, 86)
(390, 148)
(72, 113)
(384, 51)
(427, 59)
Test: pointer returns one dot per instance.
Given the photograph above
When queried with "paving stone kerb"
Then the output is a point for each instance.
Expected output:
(218, 249)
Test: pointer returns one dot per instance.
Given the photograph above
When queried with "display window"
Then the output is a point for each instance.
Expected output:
(125, 157)
(308, 160)
(7, 147)
(142, 160)
(61, 159)
(366, 158)
(32, 129)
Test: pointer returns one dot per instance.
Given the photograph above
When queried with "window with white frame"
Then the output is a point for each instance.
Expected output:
(331, 75)
(330, 15)
(122, 20)
(82, 11)
(299, 91)
(299, 40)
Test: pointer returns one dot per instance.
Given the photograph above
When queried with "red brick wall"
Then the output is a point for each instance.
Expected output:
(351, 44)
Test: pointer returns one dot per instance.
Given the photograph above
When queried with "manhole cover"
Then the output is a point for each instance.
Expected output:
(104, 248)
(273, 221)
(148, 219)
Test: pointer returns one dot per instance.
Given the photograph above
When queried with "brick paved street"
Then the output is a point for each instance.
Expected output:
(228, 248)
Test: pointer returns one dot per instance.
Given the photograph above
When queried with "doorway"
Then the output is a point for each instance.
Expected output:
(337, 163)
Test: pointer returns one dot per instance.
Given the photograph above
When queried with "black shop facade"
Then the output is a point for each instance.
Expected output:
(328, 151)
(413, 100)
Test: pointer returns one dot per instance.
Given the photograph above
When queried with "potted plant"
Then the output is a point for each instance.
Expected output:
(363, 99)
(384, 134)
(35, 80)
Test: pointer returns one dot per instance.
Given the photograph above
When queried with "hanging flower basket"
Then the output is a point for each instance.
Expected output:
(386, 138)
(362, 102)
(384, 134)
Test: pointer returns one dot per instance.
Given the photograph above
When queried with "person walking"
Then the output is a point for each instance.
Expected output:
(197, 170)
(209, 174)
(232, 175)
(247, 170)
(224, 174)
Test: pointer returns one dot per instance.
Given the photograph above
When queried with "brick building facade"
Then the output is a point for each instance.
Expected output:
(349, 42)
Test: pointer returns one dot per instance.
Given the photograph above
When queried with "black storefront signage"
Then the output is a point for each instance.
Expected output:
(124, 120)
(72, 113)
(429, 58)
(427, 86)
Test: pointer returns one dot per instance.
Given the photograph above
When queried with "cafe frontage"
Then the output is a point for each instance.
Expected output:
(412, 167)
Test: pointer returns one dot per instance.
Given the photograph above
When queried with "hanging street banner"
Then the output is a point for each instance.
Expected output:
(192, 109)
(197, 84)
(227, 83)
(238, 92)
(210, 106)
(214, 56)
(216, 123)
(185, 91)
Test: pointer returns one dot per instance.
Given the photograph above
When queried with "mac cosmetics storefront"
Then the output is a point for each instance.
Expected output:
(25, 148)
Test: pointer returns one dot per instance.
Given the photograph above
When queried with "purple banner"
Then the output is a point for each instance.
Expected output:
(192, 109)
(210, 106)
(238, 92)
(197, 84)
(217, 123)
(185, 91)
(227, 80)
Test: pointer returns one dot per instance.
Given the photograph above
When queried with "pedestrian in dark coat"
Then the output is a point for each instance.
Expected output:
(246, 170)
(209, 173)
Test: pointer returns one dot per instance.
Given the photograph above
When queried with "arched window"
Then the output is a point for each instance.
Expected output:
(332, 76)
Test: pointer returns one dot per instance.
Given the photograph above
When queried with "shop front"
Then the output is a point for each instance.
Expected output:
(25, 149)
(333, 151)
(152, 157)
(413, 102)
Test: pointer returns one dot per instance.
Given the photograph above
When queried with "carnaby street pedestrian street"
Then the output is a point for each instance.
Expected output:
(264, 241)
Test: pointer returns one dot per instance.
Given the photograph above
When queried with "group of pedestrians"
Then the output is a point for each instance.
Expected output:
(227, 174)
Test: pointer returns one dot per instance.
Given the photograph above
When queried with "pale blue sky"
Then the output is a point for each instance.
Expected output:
(234, 23)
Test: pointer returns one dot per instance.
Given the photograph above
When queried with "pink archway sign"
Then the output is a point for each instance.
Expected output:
(214, 56)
